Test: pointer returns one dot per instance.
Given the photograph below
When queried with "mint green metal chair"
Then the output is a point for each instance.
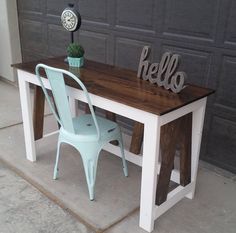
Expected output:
(88, 133)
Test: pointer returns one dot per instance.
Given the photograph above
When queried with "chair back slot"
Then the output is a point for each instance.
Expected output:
(57, 83)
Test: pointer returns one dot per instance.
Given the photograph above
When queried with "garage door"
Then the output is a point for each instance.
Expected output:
(114, 31)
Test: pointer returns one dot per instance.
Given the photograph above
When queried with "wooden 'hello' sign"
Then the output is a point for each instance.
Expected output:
(163, 73)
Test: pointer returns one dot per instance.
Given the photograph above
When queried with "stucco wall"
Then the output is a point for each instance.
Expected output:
(10, 51)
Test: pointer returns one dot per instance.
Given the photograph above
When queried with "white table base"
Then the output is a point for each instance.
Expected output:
(151, 143)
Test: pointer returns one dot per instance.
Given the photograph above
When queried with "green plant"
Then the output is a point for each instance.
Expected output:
(75, 50)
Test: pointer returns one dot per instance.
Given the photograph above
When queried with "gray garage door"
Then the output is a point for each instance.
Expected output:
(114, 31)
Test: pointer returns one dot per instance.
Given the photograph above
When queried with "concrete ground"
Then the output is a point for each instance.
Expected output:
(63, 206)
(24, 209)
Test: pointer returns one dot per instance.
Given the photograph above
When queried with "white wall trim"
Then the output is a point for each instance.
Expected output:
(10, 39)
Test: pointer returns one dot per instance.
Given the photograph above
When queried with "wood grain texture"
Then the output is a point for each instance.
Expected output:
(137, 138)
(123, 86)
(185, 149)
(176, 134)
(55, 107)
(87, 110)
(38, 114)
(169, 140)
(112, 117)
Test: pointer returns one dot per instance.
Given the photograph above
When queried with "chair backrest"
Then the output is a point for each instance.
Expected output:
(56, 79)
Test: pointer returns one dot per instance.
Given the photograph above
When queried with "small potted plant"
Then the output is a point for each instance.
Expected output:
(75, 53)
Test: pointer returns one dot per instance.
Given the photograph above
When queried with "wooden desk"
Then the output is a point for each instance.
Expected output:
(120, 91)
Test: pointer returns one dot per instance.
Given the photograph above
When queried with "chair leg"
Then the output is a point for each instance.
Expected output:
(125, 168)
(90, 167)
(55, 173)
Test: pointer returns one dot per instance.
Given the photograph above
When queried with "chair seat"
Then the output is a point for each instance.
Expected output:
(85, 129)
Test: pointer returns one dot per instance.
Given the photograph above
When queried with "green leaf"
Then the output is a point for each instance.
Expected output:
(75, 50)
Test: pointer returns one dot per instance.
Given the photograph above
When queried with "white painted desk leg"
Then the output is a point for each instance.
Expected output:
(27, 119)
(197, 127)
(151, 146)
